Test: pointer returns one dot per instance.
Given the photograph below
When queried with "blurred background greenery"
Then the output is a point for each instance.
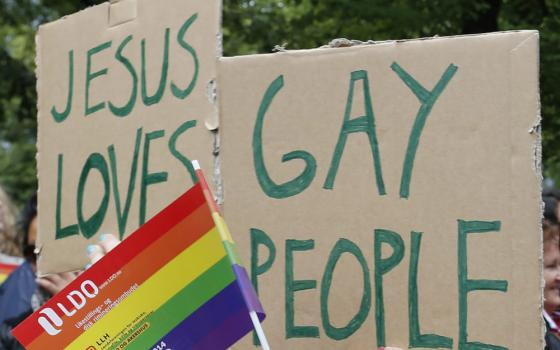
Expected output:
(257, 26)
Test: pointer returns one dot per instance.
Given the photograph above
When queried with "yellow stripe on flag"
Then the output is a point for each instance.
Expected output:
(222, 228)
(158, 289)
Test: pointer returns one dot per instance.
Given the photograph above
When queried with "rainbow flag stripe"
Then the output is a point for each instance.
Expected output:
(6, 270)
(174, 283)
(7, 265)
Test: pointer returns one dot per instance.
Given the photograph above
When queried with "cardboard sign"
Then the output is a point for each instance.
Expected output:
(173, 284)
(389, 194)
(126, 99)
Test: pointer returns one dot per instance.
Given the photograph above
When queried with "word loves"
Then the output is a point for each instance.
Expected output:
(104, 165)
(50, 319)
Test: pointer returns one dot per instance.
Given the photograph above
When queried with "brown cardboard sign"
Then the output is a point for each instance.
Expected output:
(125, 102)
(388, 194)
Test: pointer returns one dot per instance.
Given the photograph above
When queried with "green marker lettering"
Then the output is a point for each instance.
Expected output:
(184, 93)
(269, 187)
(341, 247)
(178, 155)
(149, 179)
(90, 76)
(122, 215)
(415, 338)
(292, 286)
(365, 124)
(70, 230)
(260, 238)
(129, 106)
(155, 98)
(58, 116)
(427, 99)
(383, 266)
(467, 285)
(89, 227)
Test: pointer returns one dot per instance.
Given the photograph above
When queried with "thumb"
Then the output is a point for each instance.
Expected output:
(108, 242)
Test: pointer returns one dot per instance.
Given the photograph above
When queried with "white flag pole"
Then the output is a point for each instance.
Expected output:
(259, 330)
(253, 314)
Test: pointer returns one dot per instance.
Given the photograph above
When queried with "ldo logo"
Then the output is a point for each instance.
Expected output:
(51, 320)
(91, 348)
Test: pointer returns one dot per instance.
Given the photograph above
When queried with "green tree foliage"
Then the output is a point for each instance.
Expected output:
(257, 26)
(19, 20)
(17, 98)
(310, 23)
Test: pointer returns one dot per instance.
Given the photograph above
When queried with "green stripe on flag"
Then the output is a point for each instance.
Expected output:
(231, 250)
(182, 305)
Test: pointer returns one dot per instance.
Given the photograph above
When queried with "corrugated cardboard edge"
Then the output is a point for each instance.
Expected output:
(349, 44)
(520, 103)
(536, 130)
(38, 47)
(212, 123)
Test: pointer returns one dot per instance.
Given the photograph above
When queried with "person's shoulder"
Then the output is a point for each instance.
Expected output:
(552, 341)
(7, 340)
(21, 282)
(22, 274)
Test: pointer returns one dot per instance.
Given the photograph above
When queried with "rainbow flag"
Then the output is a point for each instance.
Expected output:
(8, 264)
(176, 283)
(5, 271)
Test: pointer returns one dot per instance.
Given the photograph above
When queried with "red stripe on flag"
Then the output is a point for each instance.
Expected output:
(8, 267)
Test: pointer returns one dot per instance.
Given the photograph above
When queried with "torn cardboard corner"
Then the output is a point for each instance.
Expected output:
(212, 121)
(343, 42)
(122, 11)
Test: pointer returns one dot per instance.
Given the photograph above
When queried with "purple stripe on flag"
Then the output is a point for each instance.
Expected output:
(228, 333)
(248, 291)
(225, 317)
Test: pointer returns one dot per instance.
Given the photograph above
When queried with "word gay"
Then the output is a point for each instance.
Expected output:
(365, 124)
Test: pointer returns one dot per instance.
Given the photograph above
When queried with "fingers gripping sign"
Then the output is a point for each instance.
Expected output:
(96, 251)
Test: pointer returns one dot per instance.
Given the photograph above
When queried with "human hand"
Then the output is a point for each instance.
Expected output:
(56, 282)
(96, 251)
